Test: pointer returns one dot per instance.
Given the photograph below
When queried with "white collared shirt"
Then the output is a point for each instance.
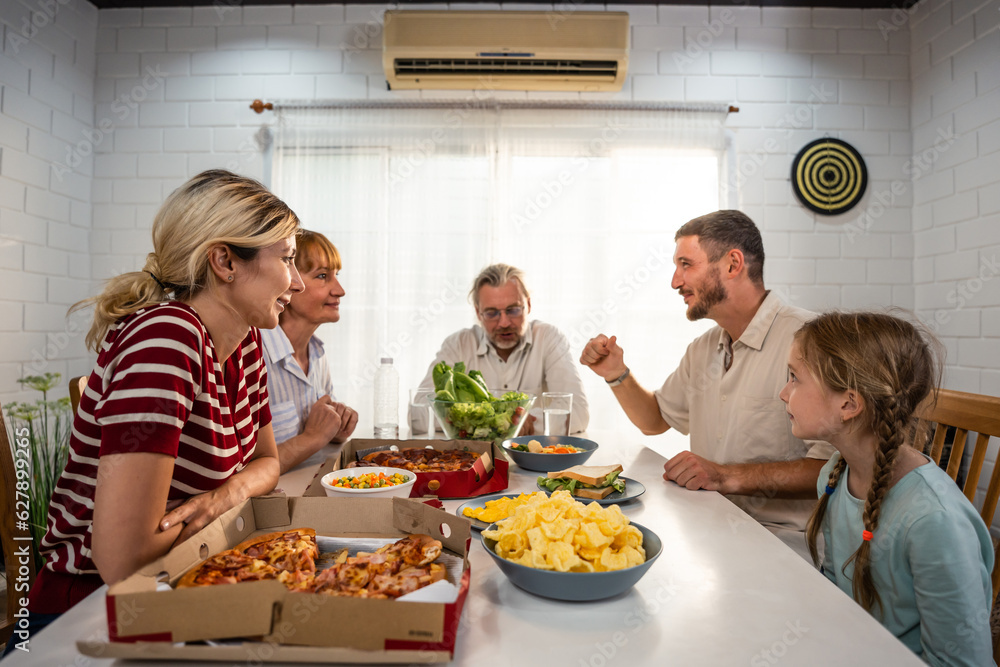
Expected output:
(541, 362)
(292, 392)
(735, 415)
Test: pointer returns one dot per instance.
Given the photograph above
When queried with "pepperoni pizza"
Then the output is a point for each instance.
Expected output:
(290, 557)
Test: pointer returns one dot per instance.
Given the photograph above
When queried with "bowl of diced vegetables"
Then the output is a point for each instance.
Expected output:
(548, 453)
(372, 481)
(468, 410)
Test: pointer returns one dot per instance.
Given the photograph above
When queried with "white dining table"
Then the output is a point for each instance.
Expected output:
(724, 591)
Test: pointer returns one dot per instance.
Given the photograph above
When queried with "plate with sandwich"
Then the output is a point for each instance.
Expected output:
(602, 484)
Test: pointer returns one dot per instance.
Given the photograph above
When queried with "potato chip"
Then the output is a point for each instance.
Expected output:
(634, 556)
(537, 541)
(556, 530)
(538, 560)
(591, 535)
(498, 508)
(512, 544)
(589, 553)
(633, 537)
(550, 513)
(561, 557)
(613, 560)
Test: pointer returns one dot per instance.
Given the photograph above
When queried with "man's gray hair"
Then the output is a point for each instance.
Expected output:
(498, 275)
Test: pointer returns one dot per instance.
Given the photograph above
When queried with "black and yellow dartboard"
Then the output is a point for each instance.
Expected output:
(829, 176)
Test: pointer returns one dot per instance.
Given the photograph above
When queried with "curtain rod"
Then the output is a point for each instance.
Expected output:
(260, 106)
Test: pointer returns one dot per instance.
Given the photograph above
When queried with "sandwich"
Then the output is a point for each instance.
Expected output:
(593, 482)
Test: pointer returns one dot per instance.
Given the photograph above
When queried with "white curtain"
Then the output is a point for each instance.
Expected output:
(418, 198)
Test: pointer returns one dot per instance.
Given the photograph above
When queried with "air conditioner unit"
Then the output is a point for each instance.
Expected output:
(505, 50)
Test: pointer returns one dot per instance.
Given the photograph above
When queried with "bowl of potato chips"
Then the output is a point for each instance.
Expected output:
(562, 549)
(549, 452)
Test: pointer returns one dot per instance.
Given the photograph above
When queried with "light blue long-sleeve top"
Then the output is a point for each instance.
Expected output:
(931, 561)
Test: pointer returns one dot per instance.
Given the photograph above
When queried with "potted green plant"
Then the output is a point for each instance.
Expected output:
(47, 425)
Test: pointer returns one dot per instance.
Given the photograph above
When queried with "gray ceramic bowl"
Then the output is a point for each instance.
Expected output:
(577, 586)
(549, 462)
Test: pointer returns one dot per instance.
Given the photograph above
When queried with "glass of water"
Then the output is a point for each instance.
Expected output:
(420, 405)
(556, 410)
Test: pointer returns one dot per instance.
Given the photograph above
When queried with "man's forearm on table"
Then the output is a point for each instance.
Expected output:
(777, 479)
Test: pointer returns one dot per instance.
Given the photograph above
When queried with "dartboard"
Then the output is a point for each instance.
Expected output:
(829, 176)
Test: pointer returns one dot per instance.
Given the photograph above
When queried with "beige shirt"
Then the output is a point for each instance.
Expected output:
(540, 362)
(735, 416)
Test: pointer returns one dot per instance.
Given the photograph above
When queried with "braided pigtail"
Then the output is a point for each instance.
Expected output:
(816, 520)
(891, 428)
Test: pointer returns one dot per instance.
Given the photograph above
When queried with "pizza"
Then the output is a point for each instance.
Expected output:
(228, 567)
(422, 460)
(293, 550)
(271, 556)
(290, 558)
(389, 572)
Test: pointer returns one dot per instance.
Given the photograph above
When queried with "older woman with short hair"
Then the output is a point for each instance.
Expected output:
(307, 416)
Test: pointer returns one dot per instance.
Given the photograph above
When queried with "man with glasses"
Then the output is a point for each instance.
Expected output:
(512, 353)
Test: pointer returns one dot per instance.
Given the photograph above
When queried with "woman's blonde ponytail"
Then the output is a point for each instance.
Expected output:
(214, 207)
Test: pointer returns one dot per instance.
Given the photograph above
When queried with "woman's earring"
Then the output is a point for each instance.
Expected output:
(230, 279)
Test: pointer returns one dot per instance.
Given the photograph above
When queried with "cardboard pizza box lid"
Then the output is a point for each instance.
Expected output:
(385, 628)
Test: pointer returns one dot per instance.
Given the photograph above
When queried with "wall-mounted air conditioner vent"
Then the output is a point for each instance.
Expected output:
(583, 51)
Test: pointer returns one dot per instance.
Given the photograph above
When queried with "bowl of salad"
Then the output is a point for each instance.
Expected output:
(495, 420)
(548, 453)
(467, 409)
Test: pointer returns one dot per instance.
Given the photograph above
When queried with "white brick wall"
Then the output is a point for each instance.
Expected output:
(47, 146)
(786, 84)
(174, 84)
(954, 152)
(957, 251)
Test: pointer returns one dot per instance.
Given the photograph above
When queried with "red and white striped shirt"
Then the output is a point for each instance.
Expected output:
(157, 387)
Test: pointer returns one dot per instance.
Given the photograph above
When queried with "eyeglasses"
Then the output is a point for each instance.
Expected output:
(493, 313)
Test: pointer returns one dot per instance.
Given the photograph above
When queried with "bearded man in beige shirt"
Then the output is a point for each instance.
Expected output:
(725, 391)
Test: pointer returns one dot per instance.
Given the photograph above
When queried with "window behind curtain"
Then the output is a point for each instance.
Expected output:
(419, 199)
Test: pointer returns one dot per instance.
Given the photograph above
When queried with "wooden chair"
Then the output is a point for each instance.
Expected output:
(76, 387)
(967, 413)
(12, 561)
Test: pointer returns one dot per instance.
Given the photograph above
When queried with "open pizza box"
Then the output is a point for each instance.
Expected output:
(489, 474)
(148, 619)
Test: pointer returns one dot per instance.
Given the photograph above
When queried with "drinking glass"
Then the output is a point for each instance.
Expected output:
(556, 410)
(420, 399)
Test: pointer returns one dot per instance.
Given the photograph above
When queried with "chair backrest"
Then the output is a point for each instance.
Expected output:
(76, 387)
(967, 413)
(11, 540)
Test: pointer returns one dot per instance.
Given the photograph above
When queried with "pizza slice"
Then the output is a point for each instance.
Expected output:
(406, 580)
(228, 567)
(414, 550)
(289, 551)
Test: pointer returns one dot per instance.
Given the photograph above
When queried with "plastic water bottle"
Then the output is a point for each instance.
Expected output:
(387, 401)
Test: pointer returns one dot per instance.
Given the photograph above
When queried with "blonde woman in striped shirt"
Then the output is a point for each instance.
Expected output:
(173, 428)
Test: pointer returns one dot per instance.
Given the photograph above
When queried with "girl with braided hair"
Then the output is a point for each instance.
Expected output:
(899, 536)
